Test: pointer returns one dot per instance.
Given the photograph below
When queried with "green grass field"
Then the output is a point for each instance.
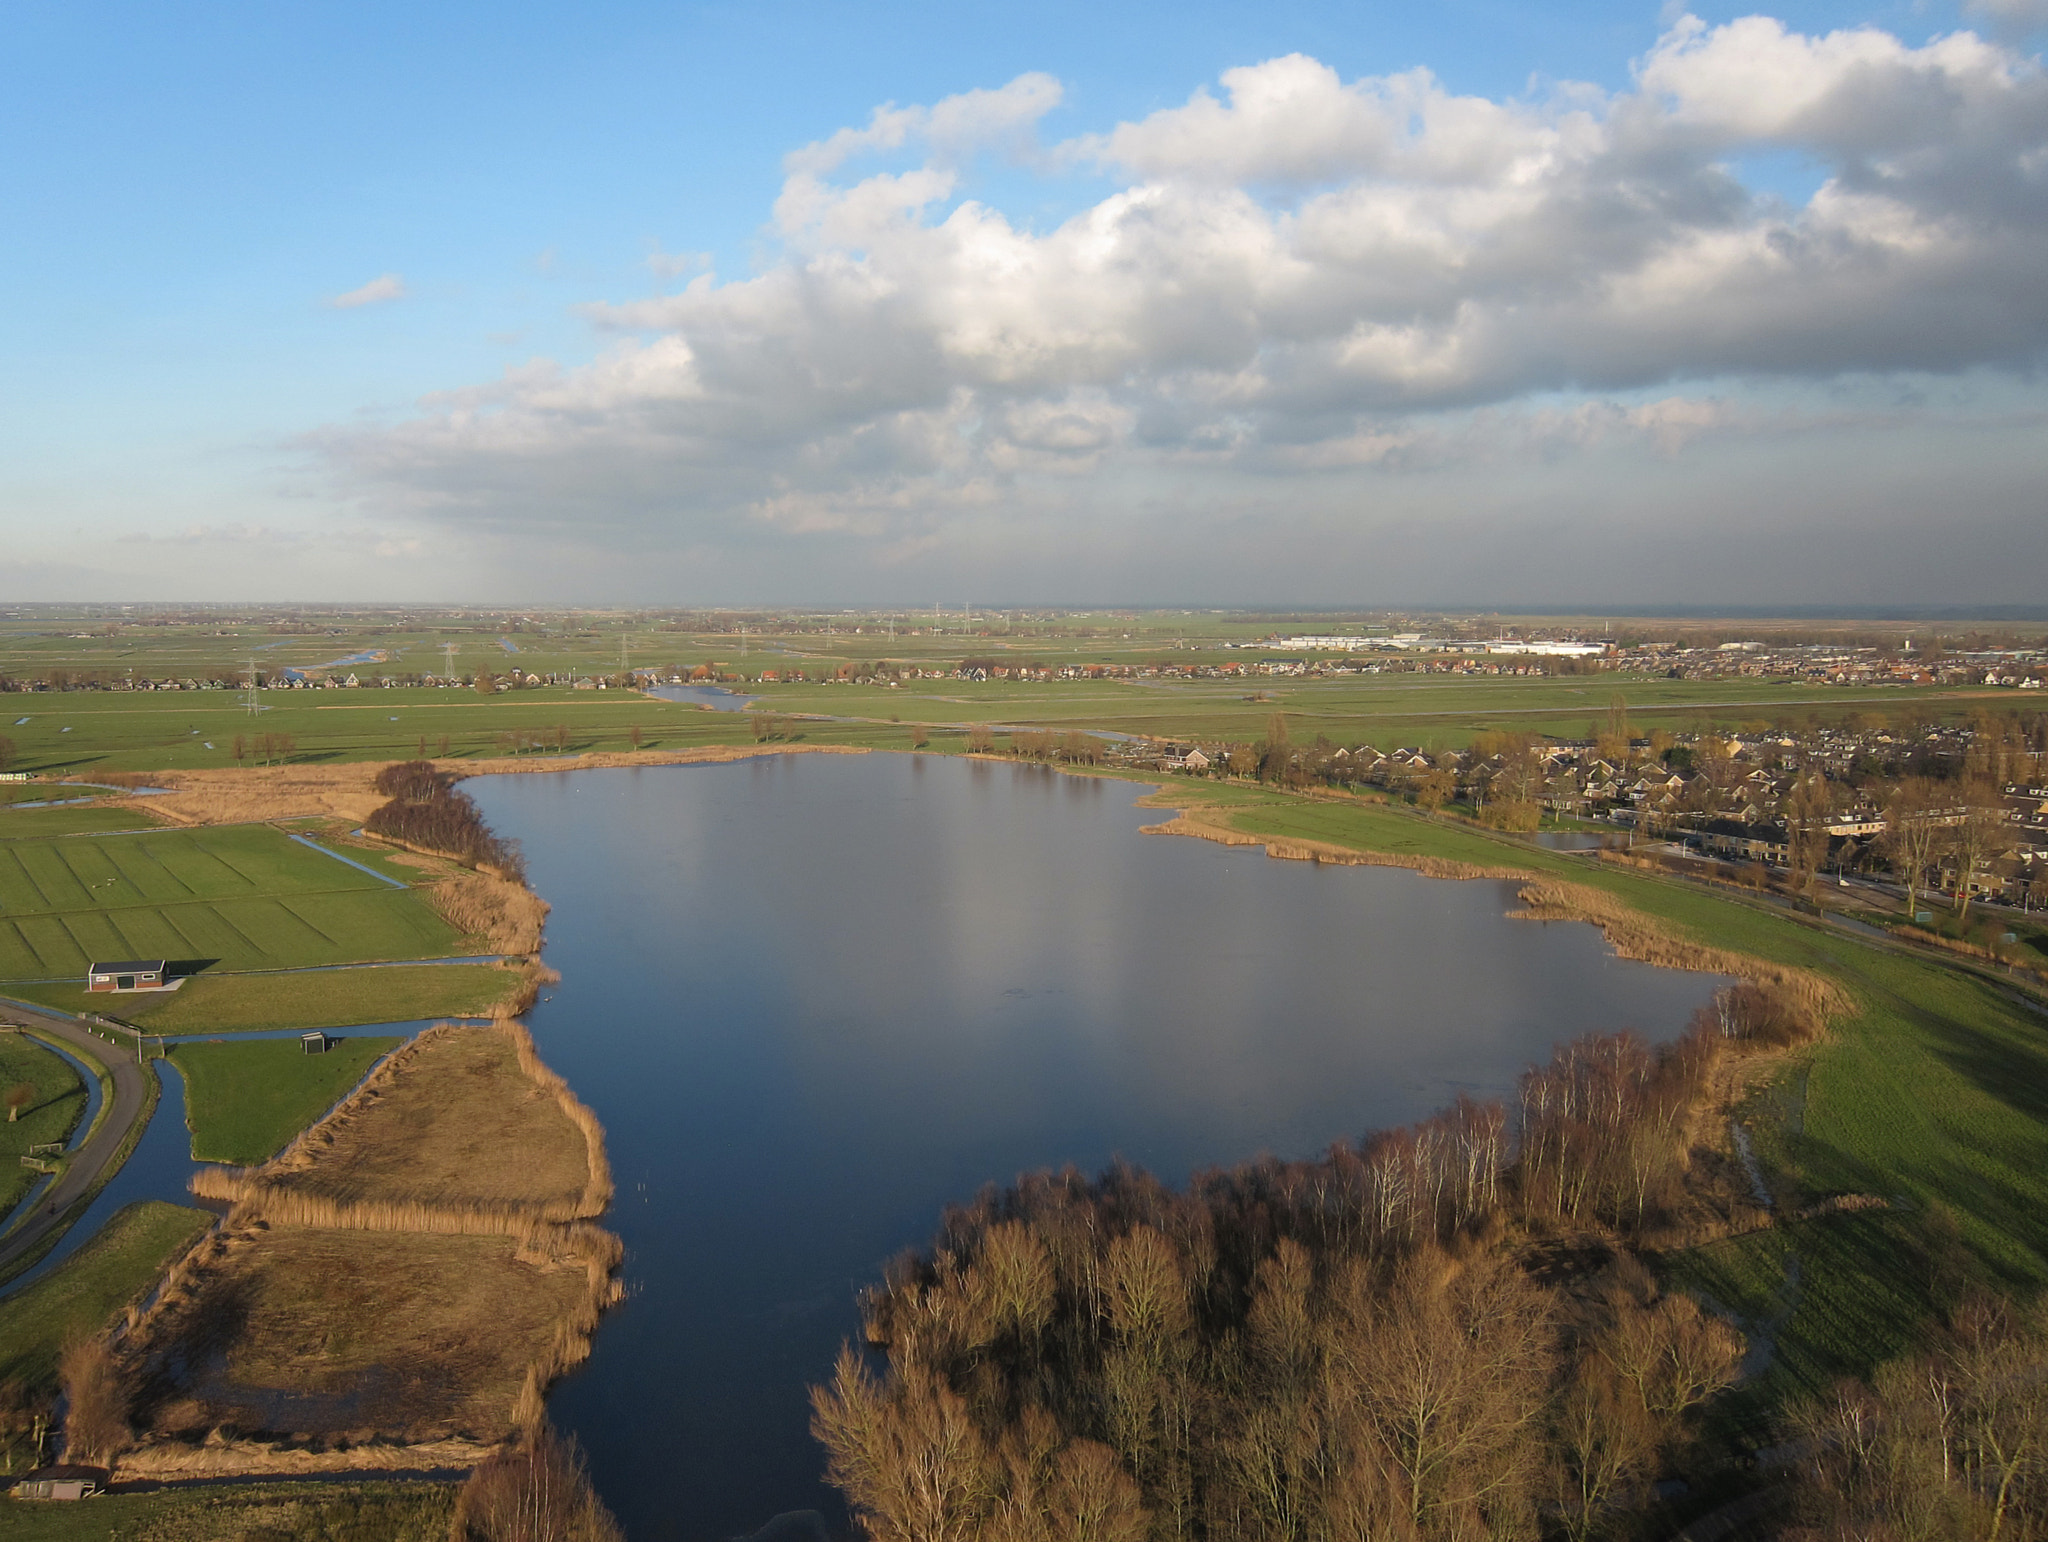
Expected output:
(59, 1104)
(339, 998)
(32, 824)
(85, 1292)
(245, 1101)
(244, 896)
(390, 1510)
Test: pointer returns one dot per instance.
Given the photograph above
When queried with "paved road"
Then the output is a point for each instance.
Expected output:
(87, 1164)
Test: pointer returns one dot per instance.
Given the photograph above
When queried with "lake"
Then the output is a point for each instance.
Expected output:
(814, 998)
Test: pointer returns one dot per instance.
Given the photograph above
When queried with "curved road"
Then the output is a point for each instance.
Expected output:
(87, 1164)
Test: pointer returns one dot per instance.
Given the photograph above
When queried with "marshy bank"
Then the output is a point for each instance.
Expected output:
(396, 1290)
(817, 1001)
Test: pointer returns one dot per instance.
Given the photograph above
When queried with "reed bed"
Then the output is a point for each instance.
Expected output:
(505, 914)
(599, 760)
(427, 1143)
(250, 794)
(273, 1214)
(1196, 822)
(1637, 936)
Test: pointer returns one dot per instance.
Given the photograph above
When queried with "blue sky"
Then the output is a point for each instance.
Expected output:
(188, 413)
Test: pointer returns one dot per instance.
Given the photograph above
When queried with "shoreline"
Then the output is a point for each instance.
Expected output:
(1632, 934)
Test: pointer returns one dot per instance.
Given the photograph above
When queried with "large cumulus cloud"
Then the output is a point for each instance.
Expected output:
(1291, 273)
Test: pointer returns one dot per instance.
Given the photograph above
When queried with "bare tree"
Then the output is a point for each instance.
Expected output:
(19, 1096)
(96, 1403)
(1911, 833)
(537, 1491)
(1978, 836)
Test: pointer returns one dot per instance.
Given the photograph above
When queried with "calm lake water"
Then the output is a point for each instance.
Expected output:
(816, 998)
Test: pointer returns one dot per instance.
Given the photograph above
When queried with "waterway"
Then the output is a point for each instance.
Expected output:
(816, 998)
(716, 697)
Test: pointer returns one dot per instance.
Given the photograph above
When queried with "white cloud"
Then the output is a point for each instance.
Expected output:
(386, 286)
(1296, 275)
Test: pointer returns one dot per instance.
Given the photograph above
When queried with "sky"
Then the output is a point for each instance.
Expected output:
(1532, 305)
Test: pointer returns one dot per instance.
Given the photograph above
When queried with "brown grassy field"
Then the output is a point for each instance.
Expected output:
(317, 1336)
(463, 1123)
(397, 1289)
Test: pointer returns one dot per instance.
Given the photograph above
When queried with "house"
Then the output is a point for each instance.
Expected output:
(1746, 842)
(131, 974)
(314, 1043)
(1196, 761)
(64, 1481)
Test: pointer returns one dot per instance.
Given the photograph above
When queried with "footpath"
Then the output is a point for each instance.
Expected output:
(96, 1158)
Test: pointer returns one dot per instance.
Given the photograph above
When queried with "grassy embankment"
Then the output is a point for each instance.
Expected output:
(386, 1511)
(420, 1265)
(91, 1288)
(58, 1104)
(245, 1102)
(1931, 1093)
(339, 998)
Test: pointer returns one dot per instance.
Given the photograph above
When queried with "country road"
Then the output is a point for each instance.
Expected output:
(88, 1164)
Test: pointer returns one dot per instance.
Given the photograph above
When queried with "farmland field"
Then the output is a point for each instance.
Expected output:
(247, 1100)
(53, 1112)
(326, 998)
(244, 897)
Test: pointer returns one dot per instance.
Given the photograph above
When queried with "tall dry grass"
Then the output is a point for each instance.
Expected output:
(251, 794)
(597, 1188)
(505, 914)
(1634, 935)
(276, 1190)
(1199, 823)
(599, 760)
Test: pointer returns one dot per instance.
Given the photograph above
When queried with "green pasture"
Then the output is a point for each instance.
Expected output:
(169, 731)
(83, 1293)
(1437, 711)
(54, 1113)
(325, 998)
(34, 824)
(243, 896)
(368, 1510)
(244, 1101)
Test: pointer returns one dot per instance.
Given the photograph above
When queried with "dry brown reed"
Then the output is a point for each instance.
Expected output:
(1200, 823)
(597, 1188)
(505, 915)
(599, 760)
(223, 1457)
(1634, 935)
(255, 793)
(288, 1188)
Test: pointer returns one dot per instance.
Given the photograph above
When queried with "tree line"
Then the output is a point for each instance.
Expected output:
(429, 811)
(1349, 1347)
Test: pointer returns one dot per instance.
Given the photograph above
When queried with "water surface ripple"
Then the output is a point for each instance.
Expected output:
(815, 998)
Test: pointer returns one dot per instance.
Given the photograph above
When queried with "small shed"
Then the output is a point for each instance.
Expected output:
(314, 1043)
(129, 974)
(63, 1481)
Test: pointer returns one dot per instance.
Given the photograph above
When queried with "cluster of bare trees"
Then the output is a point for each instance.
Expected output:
(1332, 1349)
(1073, 748)
(268, 749)
(769, 726)
(428, 811)
(527, 741)
(536, 1490)
(1960, 825)
(1950, 1444)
